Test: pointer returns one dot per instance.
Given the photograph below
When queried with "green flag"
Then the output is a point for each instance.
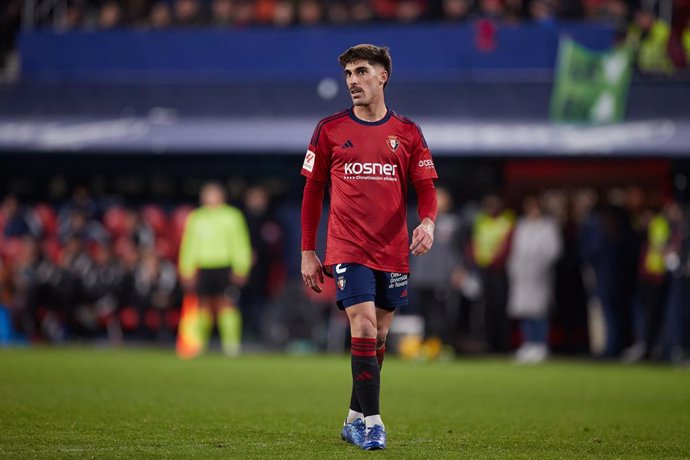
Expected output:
(590, 87)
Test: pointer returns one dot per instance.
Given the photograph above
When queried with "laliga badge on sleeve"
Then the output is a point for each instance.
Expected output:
(309, 161)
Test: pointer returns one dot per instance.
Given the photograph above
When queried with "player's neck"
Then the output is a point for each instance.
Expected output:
(371, 112)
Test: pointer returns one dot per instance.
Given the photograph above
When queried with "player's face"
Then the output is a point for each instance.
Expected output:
(365, 81)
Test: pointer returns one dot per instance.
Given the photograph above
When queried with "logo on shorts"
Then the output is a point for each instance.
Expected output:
(341, 282)
(398, 280)
(393, 143)
(403, 294)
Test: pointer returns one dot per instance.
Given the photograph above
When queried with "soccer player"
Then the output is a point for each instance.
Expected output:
(367, 154)
(215, 252)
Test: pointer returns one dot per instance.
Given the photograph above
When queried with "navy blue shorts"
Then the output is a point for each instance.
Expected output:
(356, 283)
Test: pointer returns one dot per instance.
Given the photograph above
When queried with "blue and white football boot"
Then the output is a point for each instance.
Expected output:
(375, 438)
(354, 432)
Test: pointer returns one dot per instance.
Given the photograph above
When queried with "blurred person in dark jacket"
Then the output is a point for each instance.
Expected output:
(435, 274)
(17, 220)
(610, 246)
(675, 332)
(267, 273)
(79, 226)
(102, 288)
(38, 304)
(155, 295)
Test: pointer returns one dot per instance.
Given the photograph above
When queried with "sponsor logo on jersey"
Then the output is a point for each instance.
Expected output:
(429, 164)
(309, 161)
(393, 143)
(341, 282)
(370, 169)
(348, 144)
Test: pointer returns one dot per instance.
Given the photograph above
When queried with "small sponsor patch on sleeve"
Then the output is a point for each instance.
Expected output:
(309, 161)
(428, 164)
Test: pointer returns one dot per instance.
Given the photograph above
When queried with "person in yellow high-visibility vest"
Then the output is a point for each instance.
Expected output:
(648, 36)
(491, 235)
(652, 288)
(216, 254)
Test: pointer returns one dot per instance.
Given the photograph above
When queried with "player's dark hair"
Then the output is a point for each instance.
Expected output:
(370, 53)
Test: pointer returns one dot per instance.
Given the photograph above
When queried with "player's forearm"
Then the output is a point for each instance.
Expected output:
(312, 201)
(426, 199)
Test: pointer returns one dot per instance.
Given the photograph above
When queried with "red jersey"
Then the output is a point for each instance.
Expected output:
(368, 166)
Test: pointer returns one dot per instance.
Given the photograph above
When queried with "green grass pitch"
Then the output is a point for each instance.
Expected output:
(89, 403)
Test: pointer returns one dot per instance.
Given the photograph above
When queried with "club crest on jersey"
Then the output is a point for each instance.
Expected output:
(393, 143)
(341, 282)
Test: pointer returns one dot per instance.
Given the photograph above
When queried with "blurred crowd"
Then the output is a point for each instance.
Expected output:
(95, 270)
(603, 273)
(662, 43)
(105, 14)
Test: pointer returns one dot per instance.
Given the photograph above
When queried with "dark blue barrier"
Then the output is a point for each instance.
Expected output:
(420, 53)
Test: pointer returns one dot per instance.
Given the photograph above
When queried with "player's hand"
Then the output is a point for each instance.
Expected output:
(239, 280)
(189, 284)
(312, 271)
(422, 237)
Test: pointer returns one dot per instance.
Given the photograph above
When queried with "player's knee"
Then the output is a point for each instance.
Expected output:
(381, 339)
(364, 326)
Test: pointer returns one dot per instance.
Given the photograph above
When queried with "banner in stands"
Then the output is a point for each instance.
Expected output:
(590, 87)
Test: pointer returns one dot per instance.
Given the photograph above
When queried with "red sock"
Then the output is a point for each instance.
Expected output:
(380, 352)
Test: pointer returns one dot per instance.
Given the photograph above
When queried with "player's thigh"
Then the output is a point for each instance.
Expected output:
(355, 284)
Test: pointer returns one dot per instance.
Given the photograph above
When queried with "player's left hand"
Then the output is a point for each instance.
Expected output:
(422, 237)
(239, 280)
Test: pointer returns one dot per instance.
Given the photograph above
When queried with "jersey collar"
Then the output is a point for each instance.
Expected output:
(370, 123)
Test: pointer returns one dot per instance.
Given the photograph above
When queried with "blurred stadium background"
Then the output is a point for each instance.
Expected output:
(113, 113)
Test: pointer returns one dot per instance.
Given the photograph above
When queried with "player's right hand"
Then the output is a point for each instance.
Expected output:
(312, 271)
(188, 284)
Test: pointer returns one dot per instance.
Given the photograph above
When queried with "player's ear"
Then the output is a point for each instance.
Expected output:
(383, 76)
